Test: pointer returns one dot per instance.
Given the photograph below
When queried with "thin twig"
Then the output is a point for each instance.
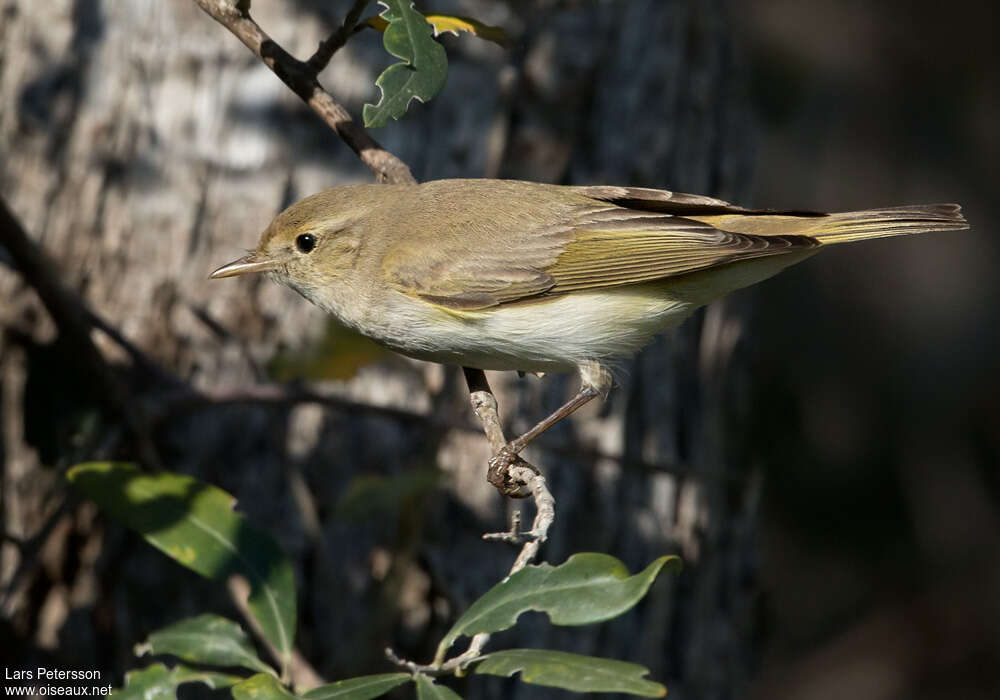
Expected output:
(140, 358)
(512, 536)
(32, 546)
(319, 60)
(484, 404)
(300, 672)
(545, 514)
(301, 78)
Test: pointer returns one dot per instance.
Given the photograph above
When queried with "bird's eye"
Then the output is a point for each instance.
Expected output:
(305, 243)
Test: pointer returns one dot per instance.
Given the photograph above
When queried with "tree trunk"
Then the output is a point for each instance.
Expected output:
(143, 146)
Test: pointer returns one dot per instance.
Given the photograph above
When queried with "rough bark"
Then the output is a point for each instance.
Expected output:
(143, 146)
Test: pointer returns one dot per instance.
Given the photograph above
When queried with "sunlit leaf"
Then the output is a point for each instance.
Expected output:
(262, 686)
(360, 688)
(194, 524)
(429, 690)
(157, 682)
(587, 588)
(453, 24)
(154, 682)
(422, 72)
(583, 674)
(207, 639)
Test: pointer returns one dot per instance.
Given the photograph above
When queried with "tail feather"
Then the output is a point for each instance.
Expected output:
(894, 221)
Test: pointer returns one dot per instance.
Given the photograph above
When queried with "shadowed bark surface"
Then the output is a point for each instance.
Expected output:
(141, 145)
(147, 147)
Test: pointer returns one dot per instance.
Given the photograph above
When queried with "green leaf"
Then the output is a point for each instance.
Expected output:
(151, 683)
(212, 679)
(429, 690)
(587, 588)
(207, 639)
(360, 688)
(262, 686)
(194, 524)
(157, 682)
(423, 71)
(582, 674)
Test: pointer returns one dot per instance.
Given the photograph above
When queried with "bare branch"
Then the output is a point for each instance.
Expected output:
(301, 78)
(319, 60)
(545, 514)
(484, 403)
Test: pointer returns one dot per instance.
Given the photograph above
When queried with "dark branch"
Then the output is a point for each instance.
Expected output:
(319, 60)
(301, 78)
(74, 323)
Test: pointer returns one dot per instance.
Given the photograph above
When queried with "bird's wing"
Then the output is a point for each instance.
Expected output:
(662, 201)
(642, 247)
(611, 237)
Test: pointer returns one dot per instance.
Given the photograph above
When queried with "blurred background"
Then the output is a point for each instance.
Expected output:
(878, 364)
(821, 449)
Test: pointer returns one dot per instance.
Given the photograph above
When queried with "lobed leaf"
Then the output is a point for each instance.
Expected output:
(206, 639)
(360, 688)
(587, 588)
(422, 72)
(194, 524)
(157, 682)
(582, 674)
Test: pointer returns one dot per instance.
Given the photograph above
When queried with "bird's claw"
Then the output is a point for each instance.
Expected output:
(499, 472)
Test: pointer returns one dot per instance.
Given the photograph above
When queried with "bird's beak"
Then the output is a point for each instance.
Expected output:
(246, 264)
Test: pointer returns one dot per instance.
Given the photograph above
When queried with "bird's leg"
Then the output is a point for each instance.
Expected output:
(595, 381)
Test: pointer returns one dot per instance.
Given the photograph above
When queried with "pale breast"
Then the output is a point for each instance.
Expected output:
(553, 335)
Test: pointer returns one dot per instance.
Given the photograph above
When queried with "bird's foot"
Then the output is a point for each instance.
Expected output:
(499, 472)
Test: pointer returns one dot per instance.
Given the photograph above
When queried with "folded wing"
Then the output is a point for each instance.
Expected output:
(613, 236)
(599, 244)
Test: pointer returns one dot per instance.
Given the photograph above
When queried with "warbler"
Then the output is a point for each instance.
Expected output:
(510, 275)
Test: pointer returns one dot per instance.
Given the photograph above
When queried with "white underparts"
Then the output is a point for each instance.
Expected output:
(556, 335)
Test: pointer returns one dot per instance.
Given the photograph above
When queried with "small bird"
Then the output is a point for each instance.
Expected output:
(510, 275)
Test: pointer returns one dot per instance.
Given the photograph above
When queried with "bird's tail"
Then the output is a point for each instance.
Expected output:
(894, 221)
